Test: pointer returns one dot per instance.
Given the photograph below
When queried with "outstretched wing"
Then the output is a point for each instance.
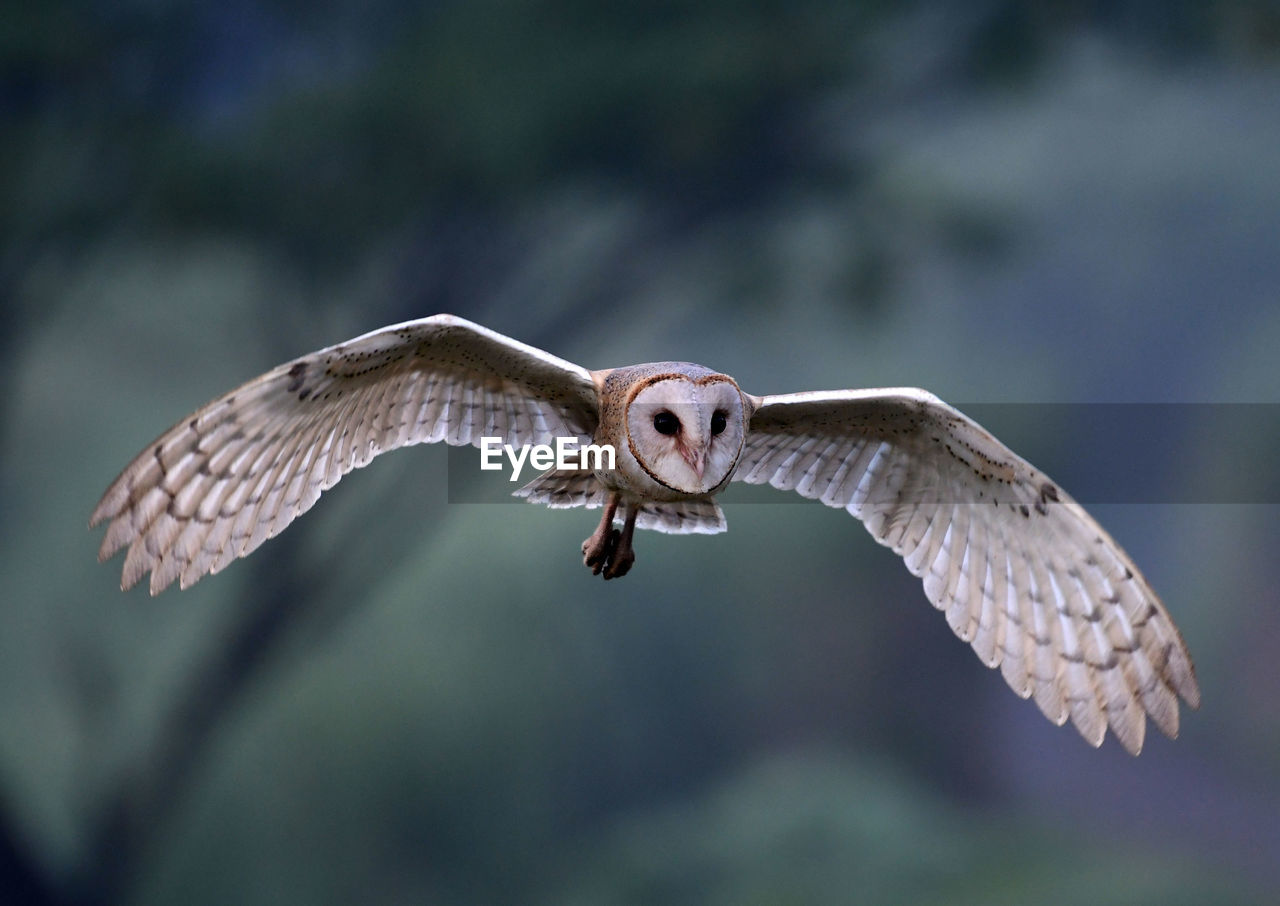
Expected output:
(1024, 574)
(236, 472)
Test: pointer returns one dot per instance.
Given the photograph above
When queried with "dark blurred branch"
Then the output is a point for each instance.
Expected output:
(142, 807)
(22, 883)
(290, 616)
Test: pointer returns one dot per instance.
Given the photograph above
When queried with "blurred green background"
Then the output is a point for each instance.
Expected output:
(406, 700)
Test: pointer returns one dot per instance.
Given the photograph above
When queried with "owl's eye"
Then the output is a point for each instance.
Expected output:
(717, 421)
(666, 423)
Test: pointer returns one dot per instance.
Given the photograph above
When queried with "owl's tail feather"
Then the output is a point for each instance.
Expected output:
(561, 488)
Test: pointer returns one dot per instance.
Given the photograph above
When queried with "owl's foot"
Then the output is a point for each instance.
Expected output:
(608, 550)
(623, 556)
(598, 549)
(620, 563)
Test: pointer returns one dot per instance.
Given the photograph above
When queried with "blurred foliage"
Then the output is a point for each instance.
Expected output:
(426, 106)
(781, 831)
(316, 128)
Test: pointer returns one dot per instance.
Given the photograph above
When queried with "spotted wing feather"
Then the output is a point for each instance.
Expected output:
(1020, 570)
(237, 471)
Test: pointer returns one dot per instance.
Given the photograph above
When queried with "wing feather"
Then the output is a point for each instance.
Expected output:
(239, 470)
(1019, 569)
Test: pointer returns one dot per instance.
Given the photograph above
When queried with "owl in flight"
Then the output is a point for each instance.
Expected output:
(1022, 572)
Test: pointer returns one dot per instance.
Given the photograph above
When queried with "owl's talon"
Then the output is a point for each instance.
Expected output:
(619, 564)
(621, 556)
(598, 548)
(608, 550)
(597, 551)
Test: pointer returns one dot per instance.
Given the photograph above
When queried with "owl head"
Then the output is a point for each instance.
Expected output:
(686, 429)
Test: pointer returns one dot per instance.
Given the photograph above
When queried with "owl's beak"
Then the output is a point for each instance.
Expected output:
(697, 459)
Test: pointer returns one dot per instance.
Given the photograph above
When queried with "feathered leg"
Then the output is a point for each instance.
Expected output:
(623, 556)
(598, 549)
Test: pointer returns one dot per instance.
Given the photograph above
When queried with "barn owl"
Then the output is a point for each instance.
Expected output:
(1022, 572)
